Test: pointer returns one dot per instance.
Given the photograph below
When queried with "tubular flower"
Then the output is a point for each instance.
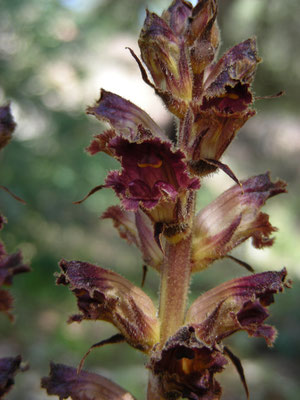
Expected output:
(155, 175)
(157, 183)
(104, 295)
(233, 218)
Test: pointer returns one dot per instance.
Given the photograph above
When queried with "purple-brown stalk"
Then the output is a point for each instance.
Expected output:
(157, 186)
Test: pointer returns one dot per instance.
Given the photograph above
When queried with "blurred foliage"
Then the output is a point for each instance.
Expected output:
(50, 52)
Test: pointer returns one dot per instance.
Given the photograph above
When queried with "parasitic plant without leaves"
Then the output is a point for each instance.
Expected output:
(157, 184)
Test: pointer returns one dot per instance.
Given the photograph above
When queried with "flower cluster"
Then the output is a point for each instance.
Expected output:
(157, 186)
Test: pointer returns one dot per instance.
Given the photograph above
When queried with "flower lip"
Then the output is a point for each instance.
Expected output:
(151, 171)
(235, 99)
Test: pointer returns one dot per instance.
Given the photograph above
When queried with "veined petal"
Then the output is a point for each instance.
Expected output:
(185, 368)
(239, 304)
(152, 173)
(137, 228)
(67, 383)
(7, 125)
(232, 218)
(104, 295)
(123, 116)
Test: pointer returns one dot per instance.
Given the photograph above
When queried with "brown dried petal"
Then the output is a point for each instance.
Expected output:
(65, 382)
(9, 366)
(104, 295)
(232, 218)
(239, 304)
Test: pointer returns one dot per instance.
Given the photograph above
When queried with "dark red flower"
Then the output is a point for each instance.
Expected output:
(151, 173)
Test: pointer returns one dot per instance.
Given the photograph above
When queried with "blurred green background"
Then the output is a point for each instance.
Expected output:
(54, 57)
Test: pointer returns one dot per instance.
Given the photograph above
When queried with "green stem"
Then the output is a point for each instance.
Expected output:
(175, 280)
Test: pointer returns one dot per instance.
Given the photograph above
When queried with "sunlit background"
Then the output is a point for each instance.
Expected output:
(54, 58)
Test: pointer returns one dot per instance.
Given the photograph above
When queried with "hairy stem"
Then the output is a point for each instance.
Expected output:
(175, 280)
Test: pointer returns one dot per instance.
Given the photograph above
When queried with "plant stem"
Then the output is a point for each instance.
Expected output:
(175, 280)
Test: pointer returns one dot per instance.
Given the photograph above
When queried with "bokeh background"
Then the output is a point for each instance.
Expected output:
(54, 57)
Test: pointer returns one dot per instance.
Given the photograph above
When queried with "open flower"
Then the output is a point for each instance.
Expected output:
(154, 175)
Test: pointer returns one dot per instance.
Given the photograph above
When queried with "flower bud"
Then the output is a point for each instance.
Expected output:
(165, 55)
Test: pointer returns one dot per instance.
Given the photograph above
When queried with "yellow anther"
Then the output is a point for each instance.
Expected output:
(144, 165)
(232, 96)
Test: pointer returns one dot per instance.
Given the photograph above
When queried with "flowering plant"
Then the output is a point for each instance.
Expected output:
(157, 186)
